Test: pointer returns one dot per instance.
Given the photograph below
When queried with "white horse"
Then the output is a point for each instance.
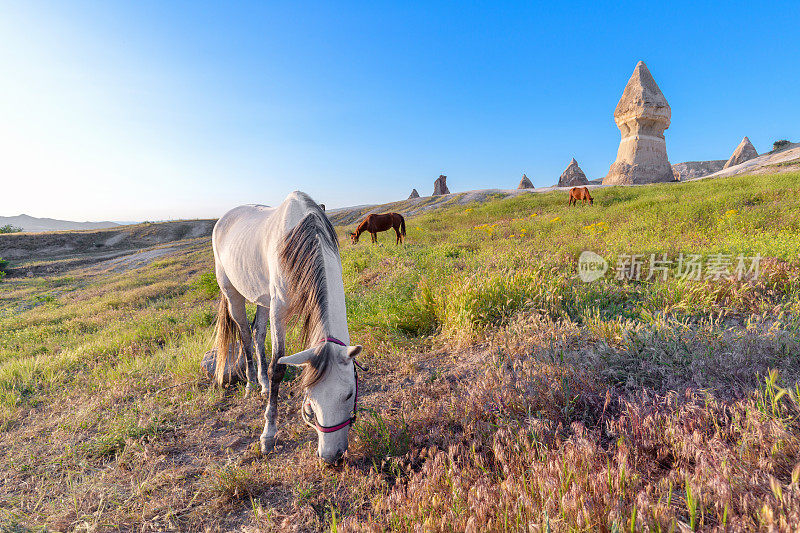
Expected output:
(286, 261)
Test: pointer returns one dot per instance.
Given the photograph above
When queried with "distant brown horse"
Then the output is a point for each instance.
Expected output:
(375, 223)
(580, 193)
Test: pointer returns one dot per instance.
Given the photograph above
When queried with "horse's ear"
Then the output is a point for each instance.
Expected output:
(353, 351)
(300, 358)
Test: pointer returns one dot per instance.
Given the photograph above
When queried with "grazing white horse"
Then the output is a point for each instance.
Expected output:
(286, 261)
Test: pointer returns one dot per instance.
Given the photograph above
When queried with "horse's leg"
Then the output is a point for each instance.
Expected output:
(398, 236)
(374, 237)
(260, 333)
(276, 372)
(239, 314)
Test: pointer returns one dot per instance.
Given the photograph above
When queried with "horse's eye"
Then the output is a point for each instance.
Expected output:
(349, 396)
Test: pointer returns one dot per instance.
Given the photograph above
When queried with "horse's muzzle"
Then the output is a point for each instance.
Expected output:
(336, 460)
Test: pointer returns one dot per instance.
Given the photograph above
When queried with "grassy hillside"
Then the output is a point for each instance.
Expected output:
(504, 393)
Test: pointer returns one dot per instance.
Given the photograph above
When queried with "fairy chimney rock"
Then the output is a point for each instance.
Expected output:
(744, 152)
(642, 115)
(525, 183)
(414, 194)
(440, 186)
(572, 176)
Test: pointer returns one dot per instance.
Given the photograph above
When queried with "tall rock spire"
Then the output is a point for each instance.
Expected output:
(440, 186)
(744, 152)
(641, 115)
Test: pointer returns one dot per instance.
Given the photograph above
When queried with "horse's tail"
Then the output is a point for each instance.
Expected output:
(227, 334)
(402, 226)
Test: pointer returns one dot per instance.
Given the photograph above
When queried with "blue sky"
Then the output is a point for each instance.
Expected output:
(159, 110)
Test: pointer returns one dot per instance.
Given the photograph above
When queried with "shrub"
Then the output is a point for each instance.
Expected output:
(8, 228)
(3, 265)
(421, 315)
(780, 145)
(207, 284)
(488, 300)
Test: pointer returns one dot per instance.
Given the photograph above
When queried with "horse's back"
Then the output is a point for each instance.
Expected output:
(234, 227)
(246, 238)
(250, 223)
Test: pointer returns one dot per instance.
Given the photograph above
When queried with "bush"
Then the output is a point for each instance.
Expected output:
(3, 265)
(780, 145)
(8, 228)
(421, 315)
(207, 284)
(489, 299)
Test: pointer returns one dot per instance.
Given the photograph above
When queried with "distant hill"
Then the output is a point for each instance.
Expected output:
(33, 224)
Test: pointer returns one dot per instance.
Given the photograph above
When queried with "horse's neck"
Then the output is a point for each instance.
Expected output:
(361, 228)
(335, 319)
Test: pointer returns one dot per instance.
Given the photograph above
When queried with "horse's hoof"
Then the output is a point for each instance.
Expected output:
(267, 445)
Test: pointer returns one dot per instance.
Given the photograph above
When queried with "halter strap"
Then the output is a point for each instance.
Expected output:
(340, 343)
(312, 420)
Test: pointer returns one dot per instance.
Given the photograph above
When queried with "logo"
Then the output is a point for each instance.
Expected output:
(591, 266)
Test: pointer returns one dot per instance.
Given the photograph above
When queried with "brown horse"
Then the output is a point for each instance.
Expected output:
(580, 193)
(375, 223)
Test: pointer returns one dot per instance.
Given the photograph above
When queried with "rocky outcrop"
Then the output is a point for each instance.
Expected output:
(414, 194)
(440, 186)
(744, 152)
(572, 176)
(525, 183)
(697, 169)
(641, 115)
(234, 369)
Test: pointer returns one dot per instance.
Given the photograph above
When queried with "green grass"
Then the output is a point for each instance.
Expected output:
(488, 355)
(468, 269)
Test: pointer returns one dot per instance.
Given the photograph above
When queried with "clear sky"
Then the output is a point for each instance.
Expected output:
(158, 110)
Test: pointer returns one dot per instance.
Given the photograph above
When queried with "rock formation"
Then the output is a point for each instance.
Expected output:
(440, 186)
(744, 152)
(642, 115)
(697, 169)
(414, 194)
(572, 176)
(234, 369)
(525, 183)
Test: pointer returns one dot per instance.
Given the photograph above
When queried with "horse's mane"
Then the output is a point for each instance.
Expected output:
(301, 260)
(363, 226)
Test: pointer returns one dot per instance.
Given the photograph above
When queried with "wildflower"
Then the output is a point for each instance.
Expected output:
(556, 219)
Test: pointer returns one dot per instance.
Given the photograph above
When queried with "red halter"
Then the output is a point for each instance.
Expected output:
(308, 416)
